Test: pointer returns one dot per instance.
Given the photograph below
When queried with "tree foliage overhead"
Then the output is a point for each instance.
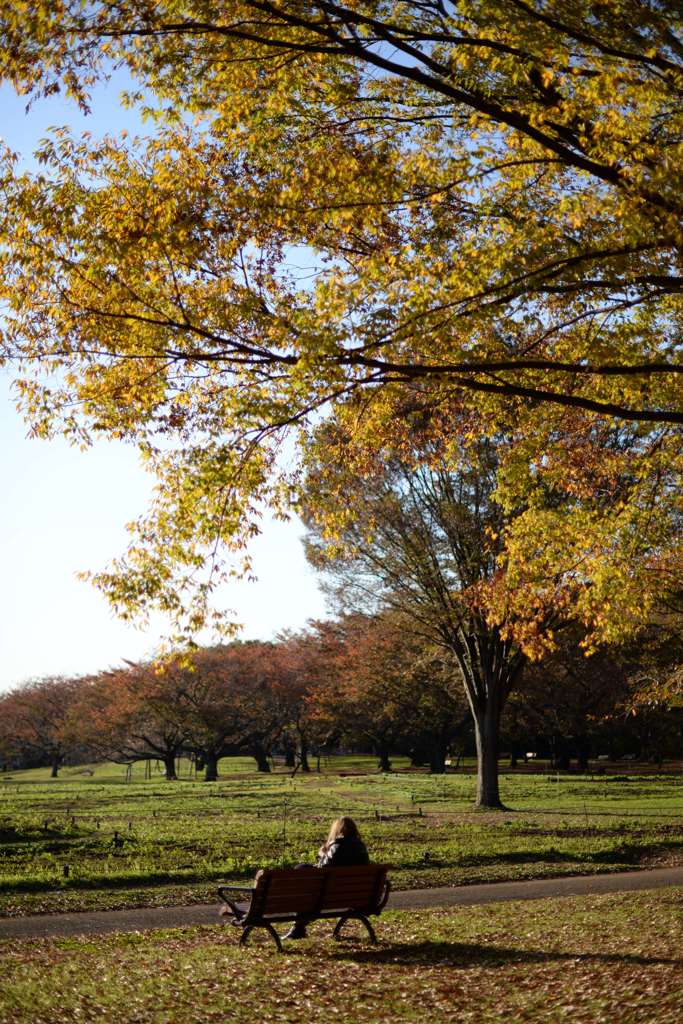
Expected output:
(476, 201)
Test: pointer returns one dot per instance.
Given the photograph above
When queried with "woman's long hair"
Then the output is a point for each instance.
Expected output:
(342, 828)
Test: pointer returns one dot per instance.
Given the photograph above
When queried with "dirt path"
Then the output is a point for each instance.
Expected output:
(99, 922)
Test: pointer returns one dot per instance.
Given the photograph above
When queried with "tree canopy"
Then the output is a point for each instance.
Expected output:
(476, 204)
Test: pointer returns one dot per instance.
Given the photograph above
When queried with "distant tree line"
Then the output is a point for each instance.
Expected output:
(360, 682)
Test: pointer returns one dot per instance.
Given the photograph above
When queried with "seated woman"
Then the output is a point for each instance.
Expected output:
(342, 849)
(343, 846)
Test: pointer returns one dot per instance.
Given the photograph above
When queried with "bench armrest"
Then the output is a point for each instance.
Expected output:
(234, 888)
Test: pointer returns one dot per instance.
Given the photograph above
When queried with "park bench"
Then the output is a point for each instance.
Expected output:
(307, 893)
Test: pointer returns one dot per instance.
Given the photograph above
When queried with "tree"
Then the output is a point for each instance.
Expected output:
(653, 665)
(654, 660)
(138, 713)
(365, 697)
(303, 665)
(409, 533)
(566, 698)
(619, 699)
(386, 688)
(215, 702)
(37, 721)
(488, 199)
(206, 706)
(238, 699)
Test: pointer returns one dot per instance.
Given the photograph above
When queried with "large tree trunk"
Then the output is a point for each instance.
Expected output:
(303, 755)
(438, 750)
(210, 766)
(489, 669)
(561, 760)
(55, 768)
(261, 758)
(169, 768)
(289, 747)
(486, 734)
(383, 755)
(583, 750)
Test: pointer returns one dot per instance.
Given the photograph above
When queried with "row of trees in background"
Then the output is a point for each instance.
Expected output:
(363, 682)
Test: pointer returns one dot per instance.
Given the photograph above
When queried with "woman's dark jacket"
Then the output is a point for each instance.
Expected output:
(343, 853)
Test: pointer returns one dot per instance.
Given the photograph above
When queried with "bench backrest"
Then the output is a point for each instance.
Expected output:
(316, 890)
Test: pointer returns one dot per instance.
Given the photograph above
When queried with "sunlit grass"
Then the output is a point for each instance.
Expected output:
(86, 840)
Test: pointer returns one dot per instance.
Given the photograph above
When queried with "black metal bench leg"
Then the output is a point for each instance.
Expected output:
(354, 917)
(371, 930)
(275, 936)
(245, 934)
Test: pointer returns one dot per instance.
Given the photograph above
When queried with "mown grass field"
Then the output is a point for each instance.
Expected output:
(585, 960)
(94, 840)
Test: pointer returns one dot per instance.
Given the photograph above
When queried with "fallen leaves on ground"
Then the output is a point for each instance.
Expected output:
(588, 960)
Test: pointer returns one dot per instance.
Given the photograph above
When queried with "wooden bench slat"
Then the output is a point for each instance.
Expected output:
(350, 892)
(293, 893)
(295, 885)
(309, 905)
(342, 884)
(339, 898)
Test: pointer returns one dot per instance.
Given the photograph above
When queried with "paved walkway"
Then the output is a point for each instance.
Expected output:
(99, 922)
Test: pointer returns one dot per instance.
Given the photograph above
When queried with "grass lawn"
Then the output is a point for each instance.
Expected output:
(610, 959)
(94, 840)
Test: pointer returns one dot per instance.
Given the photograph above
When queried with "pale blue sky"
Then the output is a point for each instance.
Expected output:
(63, 510)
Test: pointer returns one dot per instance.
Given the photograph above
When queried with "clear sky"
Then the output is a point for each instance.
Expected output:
(63, 510)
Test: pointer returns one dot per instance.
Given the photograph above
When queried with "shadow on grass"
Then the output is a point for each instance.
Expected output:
(462, 954)
(477, 860)
(623, 852)
(577, 812)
